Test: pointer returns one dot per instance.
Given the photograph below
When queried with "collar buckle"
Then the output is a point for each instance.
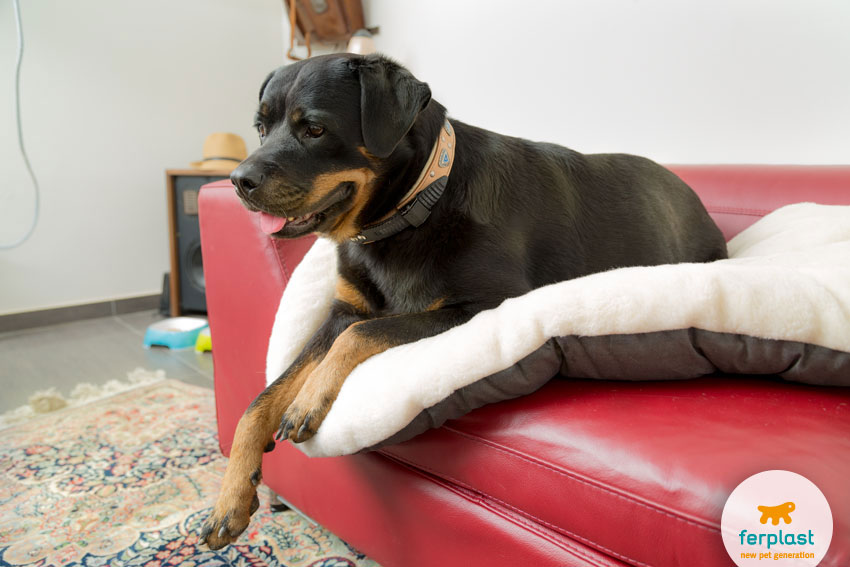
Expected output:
(415, 212)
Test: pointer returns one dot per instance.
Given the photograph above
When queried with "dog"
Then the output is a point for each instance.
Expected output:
(435, 221)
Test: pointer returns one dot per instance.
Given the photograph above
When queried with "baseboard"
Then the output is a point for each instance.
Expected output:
(42, 317)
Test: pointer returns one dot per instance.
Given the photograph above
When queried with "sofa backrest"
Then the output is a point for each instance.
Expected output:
(738, 195)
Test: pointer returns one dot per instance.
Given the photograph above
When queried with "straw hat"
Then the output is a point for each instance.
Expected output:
(222, 150)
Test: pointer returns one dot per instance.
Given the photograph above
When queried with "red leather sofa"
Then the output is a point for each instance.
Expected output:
(580, 473)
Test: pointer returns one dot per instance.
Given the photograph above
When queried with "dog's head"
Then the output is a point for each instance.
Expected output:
(326, 126)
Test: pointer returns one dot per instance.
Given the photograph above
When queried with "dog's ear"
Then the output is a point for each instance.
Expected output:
(266, 82)
(390, 100)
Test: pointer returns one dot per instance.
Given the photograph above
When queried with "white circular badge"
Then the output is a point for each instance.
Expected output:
(776, 518)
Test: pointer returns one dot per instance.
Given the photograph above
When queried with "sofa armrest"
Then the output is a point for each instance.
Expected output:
(245, 272)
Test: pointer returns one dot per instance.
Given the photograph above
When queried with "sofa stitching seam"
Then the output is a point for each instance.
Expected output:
(516, 518)
(574, 535)
(737, 210)
(549, 467)
(522, 512)
(524, 521)
(281, 262)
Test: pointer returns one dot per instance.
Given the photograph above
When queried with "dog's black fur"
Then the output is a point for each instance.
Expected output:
(515, 215)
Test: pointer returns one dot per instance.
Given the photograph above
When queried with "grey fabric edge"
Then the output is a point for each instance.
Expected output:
(678, 354)
(524, 377)
(691, 353)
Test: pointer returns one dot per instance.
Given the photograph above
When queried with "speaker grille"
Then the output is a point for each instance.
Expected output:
(195, 266)
(190, 283)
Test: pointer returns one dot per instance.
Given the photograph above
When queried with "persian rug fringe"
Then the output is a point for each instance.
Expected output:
(51, 399)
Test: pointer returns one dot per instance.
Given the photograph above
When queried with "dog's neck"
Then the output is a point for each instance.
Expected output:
(415, 206)
(406, 174)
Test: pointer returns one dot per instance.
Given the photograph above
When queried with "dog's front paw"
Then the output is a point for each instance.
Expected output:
(303, 418)
(229, 518)
(299, 424)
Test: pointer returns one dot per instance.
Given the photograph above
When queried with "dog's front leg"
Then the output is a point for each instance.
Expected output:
(357, 343)
(237, 500)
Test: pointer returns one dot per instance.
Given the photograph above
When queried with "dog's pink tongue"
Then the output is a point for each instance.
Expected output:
(270, 223)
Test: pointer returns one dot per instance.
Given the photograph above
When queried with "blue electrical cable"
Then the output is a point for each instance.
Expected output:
(16, 4)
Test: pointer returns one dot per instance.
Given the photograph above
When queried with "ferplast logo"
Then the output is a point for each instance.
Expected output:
(776, 513)
(777, 516)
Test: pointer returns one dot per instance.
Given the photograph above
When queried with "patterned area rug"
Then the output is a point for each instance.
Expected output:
(127, 480)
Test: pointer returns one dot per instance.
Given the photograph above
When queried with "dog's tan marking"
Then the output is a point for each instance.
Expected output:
(327, 182)
(253, 432)
(436, 304)
(347, 293)
(368, 155)
(321, 388)
(296, 115)
(363, 180)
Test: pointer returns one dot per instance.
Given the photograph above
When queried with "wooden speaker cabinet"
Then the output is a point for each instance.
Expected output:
(187, 289)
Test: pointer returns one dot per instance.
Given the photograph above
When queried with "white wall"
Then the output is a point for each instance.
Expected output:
(113, 93)
(699, 81)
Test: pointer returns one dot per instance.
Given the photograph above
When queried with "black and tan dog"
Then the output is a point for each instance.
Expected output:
(435, 221)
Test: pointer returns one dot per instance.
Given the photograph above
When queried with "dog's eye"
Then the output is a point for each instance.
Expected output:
(314, 131)
(262, 130)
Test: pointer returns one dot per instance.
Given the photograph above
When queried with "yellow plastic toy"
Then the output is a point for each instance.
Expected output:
(204, 342)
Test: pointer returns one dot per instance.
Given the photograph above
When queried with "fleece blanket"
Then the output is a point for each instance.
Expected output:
(779, 305)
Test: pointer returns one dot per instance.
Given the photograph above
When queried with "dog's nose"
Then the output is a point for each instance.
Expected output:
(247, 178)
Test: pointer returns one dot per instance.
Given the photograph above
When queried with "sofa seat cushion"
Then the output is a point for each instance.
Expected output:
(641, 470)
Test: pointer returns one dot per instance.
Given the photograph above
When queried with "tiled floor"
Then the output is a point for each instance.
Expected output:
(94, 350)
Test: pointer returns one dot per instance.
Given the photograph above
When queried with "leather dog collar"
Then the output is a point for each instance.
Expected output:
(415, 207)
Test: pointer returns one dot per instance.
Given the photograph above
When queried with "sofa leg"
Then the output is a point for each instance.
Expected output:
(282, 505)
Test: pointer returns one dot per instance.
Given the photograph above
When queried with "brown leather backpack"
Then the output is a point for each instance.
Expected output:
(322, 21)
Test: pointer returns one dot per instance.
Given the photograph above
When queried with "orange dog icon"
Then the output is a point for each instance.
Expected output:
(782, 511)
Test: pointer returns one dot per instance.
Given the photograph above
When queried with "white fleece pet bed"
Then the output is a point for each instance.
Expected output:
(784, 293)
